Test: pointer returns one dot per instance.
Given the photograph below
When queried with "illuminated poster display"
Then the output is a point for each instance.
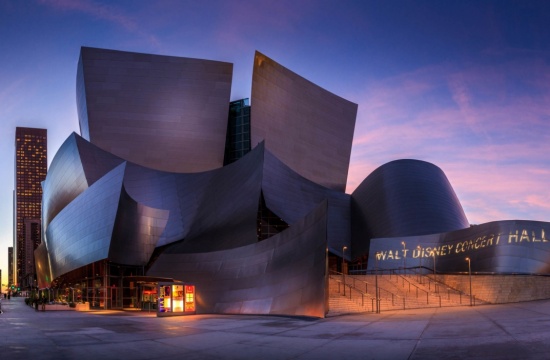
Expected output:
(176, 298)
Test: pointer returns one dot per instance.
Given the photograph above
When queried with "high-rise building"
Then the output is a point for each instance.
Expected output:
(31, 162)
(10, 265)
(237, 143)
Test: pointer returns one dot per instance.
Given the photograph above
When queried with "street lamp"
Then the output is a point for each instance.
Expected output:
(435, 276)
(343, 272)
(377, 298)
(419, 249)
(470, 275)
(404, 256)
(420, 256)
(326, 283)
(433, 254)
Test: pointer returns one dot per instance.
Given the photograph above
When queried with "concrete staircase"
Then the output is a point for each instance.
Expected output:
(399, 292)
(396, 292)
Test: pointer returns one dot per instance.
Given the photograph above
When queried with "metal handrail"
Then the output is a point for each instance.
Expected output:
(393, 296)
(437, 285)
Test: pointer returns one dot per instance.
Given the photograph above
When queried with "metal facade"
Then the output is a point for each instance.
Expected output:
(404, 198)
(141, 106)
(150, 190)
(305, 126)
(283, 275)
(292, 197)
(503, 247)
(81, 233)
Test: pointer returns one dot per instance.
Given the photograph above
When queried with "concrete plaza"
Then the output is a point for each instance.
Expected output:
(512, 331)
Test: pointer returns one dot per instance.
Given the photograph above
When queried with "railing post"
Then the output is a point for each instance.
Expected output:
(372, 305)
(403, 303)
(440, 301)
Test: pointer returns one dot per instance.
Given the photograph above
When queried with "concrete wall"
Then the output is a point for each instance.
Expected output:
(501, 289)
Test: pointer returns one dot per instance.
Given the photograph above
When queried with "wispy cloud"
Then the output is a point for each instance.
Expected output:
(488, 128)
(9, 97)
(111, 13)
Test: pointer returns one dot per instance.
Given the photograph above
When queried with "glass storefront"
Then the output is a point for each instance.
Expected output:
(105, 285)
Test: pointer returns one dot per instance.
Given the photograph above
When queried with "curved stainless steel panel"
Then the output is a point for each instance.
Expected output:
(76, 165)
(163, 112)
(403, 198)
(292, 197)
(284, 274)
(81, 233)
(306, 127)
(210, 211)
(136, 232)
(502, 247)
(64, 182)
(42, 262)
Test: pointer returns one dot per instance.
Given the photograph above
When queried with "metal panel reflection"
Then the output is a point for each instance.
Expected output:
(291, 196)
(304, 125)
(404, 198)
(209, 211)
(136, 232)
(42, 262)
(81, 233)
(284, 274)
(163, 112)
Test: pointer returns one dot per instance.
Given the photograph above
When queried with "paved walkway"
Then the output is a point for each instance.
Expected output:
(513, 331)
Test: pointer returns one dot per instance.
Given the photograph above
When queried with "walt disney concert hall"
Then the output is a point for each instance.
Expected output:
(170, 181)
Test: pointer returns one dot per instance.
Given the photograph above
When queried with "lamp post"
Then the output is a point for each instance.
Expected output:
(326, 284)
(404, 256)
(433, 254)
(343, 272)
(419, 249)
(435, 276)
(376, 285)
(470, 275)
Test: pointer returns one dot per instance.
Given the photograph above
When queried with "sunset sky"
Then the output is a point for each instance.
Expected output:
(464, 85)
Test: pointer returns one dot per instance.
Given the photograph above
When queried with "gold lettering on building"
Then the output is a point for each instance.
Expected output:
(518, 236)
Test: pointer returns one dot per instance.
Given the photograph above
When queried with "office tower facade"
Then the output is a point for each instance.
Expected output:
(10, 265)
(237, 142)
(31, 162)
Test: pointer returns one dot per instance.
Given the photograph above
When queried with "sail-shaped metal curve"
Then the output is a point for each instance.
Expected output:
(403, 198)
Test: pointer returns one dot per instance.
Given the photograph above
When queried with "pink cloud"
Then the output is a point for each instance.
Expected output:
(491, 139)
